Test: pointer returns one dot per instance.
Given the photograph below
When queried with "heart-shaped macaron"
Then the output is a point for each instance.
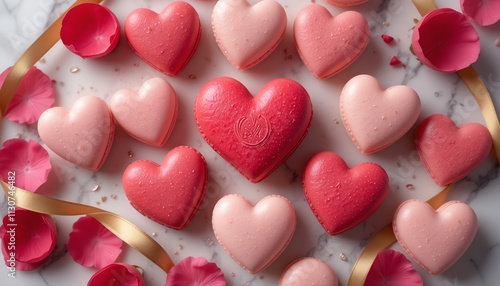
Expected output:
(448, 152)
(255, 134)
(247, 34)
(254, 236)
(170, 193)
(341, 197)
(327, 44)
(435, 239)
(308, 271)
(149, 114)
(82, 135)
(166, 41)
(375, 117)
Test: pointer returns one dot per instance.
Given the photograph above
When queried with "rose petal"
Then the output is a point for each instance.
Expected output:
(33, 96)
(90, 30)
(445, 41)
(117, 274)
(195, 272)
(35, 238)
(392, 268)
(27, 163)
(92, 245)
(483, 12)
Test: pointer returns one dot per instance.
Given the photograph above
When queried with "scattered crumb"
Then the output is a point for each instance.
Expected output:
(113, 196)
(261, 277)
(61, 83)
(232, 274)
(53, 81)
(413, 177)
(192, 76)
(287, 55)
(336, 121)
(181, 247)
(42, 61)
(387, 24)
(74, 69)
(95, 188)
(343, 257)
(176, 253)
(399, 165)
(104, 199)
(135, 64)
(154, 234)
(98, 202)
(209, 241)
(130, 154)
(410, 186)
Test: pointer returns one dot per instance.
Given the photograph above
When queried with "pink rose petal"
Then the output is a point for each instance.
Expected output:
(90, 30)
(92, 245)
(444, 40)
(483, 12)
(25, 164)
(392, 268)
(117, 274)
(195, 272)
(33, 96)
(34, 236)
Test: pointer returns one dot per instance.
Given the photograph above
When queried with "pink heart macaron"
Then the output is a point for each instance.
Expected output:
(166, 41)
(170, 193)
(435, 239)
(82, 135)
(245, 33)
(326, 44)
(308, 271)
(148, 114)
(375, 117)
(254, 236)
(450, 153)
(341, 197)
(254, 134)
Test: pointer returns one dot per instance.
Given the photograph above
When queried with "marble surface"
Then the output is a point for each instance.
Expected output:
(22, 21)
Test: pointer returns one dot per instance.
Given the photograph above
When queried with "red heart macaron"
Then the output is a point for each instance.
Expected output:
(342, 197)
(166, 41)
(170, 193)
(255, 134)
(448, 152)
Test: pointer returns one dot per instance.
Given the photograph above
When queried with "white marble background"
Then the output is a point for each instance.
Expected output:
(22, 21)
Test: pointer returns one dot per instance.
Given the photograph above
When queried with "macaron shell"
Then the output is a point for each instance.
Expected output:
(149, 114)
(341, 197)
(245, 33)
(166, 41)
(448, 152)
(254, 236)
(254, 134)
(326, 44)
(374, 117)
(82, 135)
(170, 193)
(308, 271)
(435, 239)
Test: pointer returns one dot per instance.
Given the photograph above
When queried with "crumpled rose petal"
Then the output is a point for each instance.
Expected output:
(26, 164)
(445, 40)
(483, 12)
(33, 96)
(117, 274)
(392, 268)
(90, 30)
(92, 245)
(33, 235)
(195, 272)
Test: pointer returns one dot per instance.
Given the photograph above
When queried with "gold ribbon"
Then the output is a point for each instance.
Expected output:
(29, 58)
(121, 227)
(124, 229)
(476, 86)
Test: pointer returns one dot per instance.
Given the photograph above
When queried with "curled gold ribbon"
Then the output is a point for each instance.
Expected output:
(122, 228)
(476, 86)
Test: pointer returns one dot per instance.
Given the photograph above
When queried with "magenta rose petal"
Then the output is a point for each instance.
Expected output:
(117, 274)
(195, 272)
(483, 12)
(445, 40)
(392, 268)
(33, 96)
(36, 237)
(92, 245)
(27, 163)
(90, 30)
